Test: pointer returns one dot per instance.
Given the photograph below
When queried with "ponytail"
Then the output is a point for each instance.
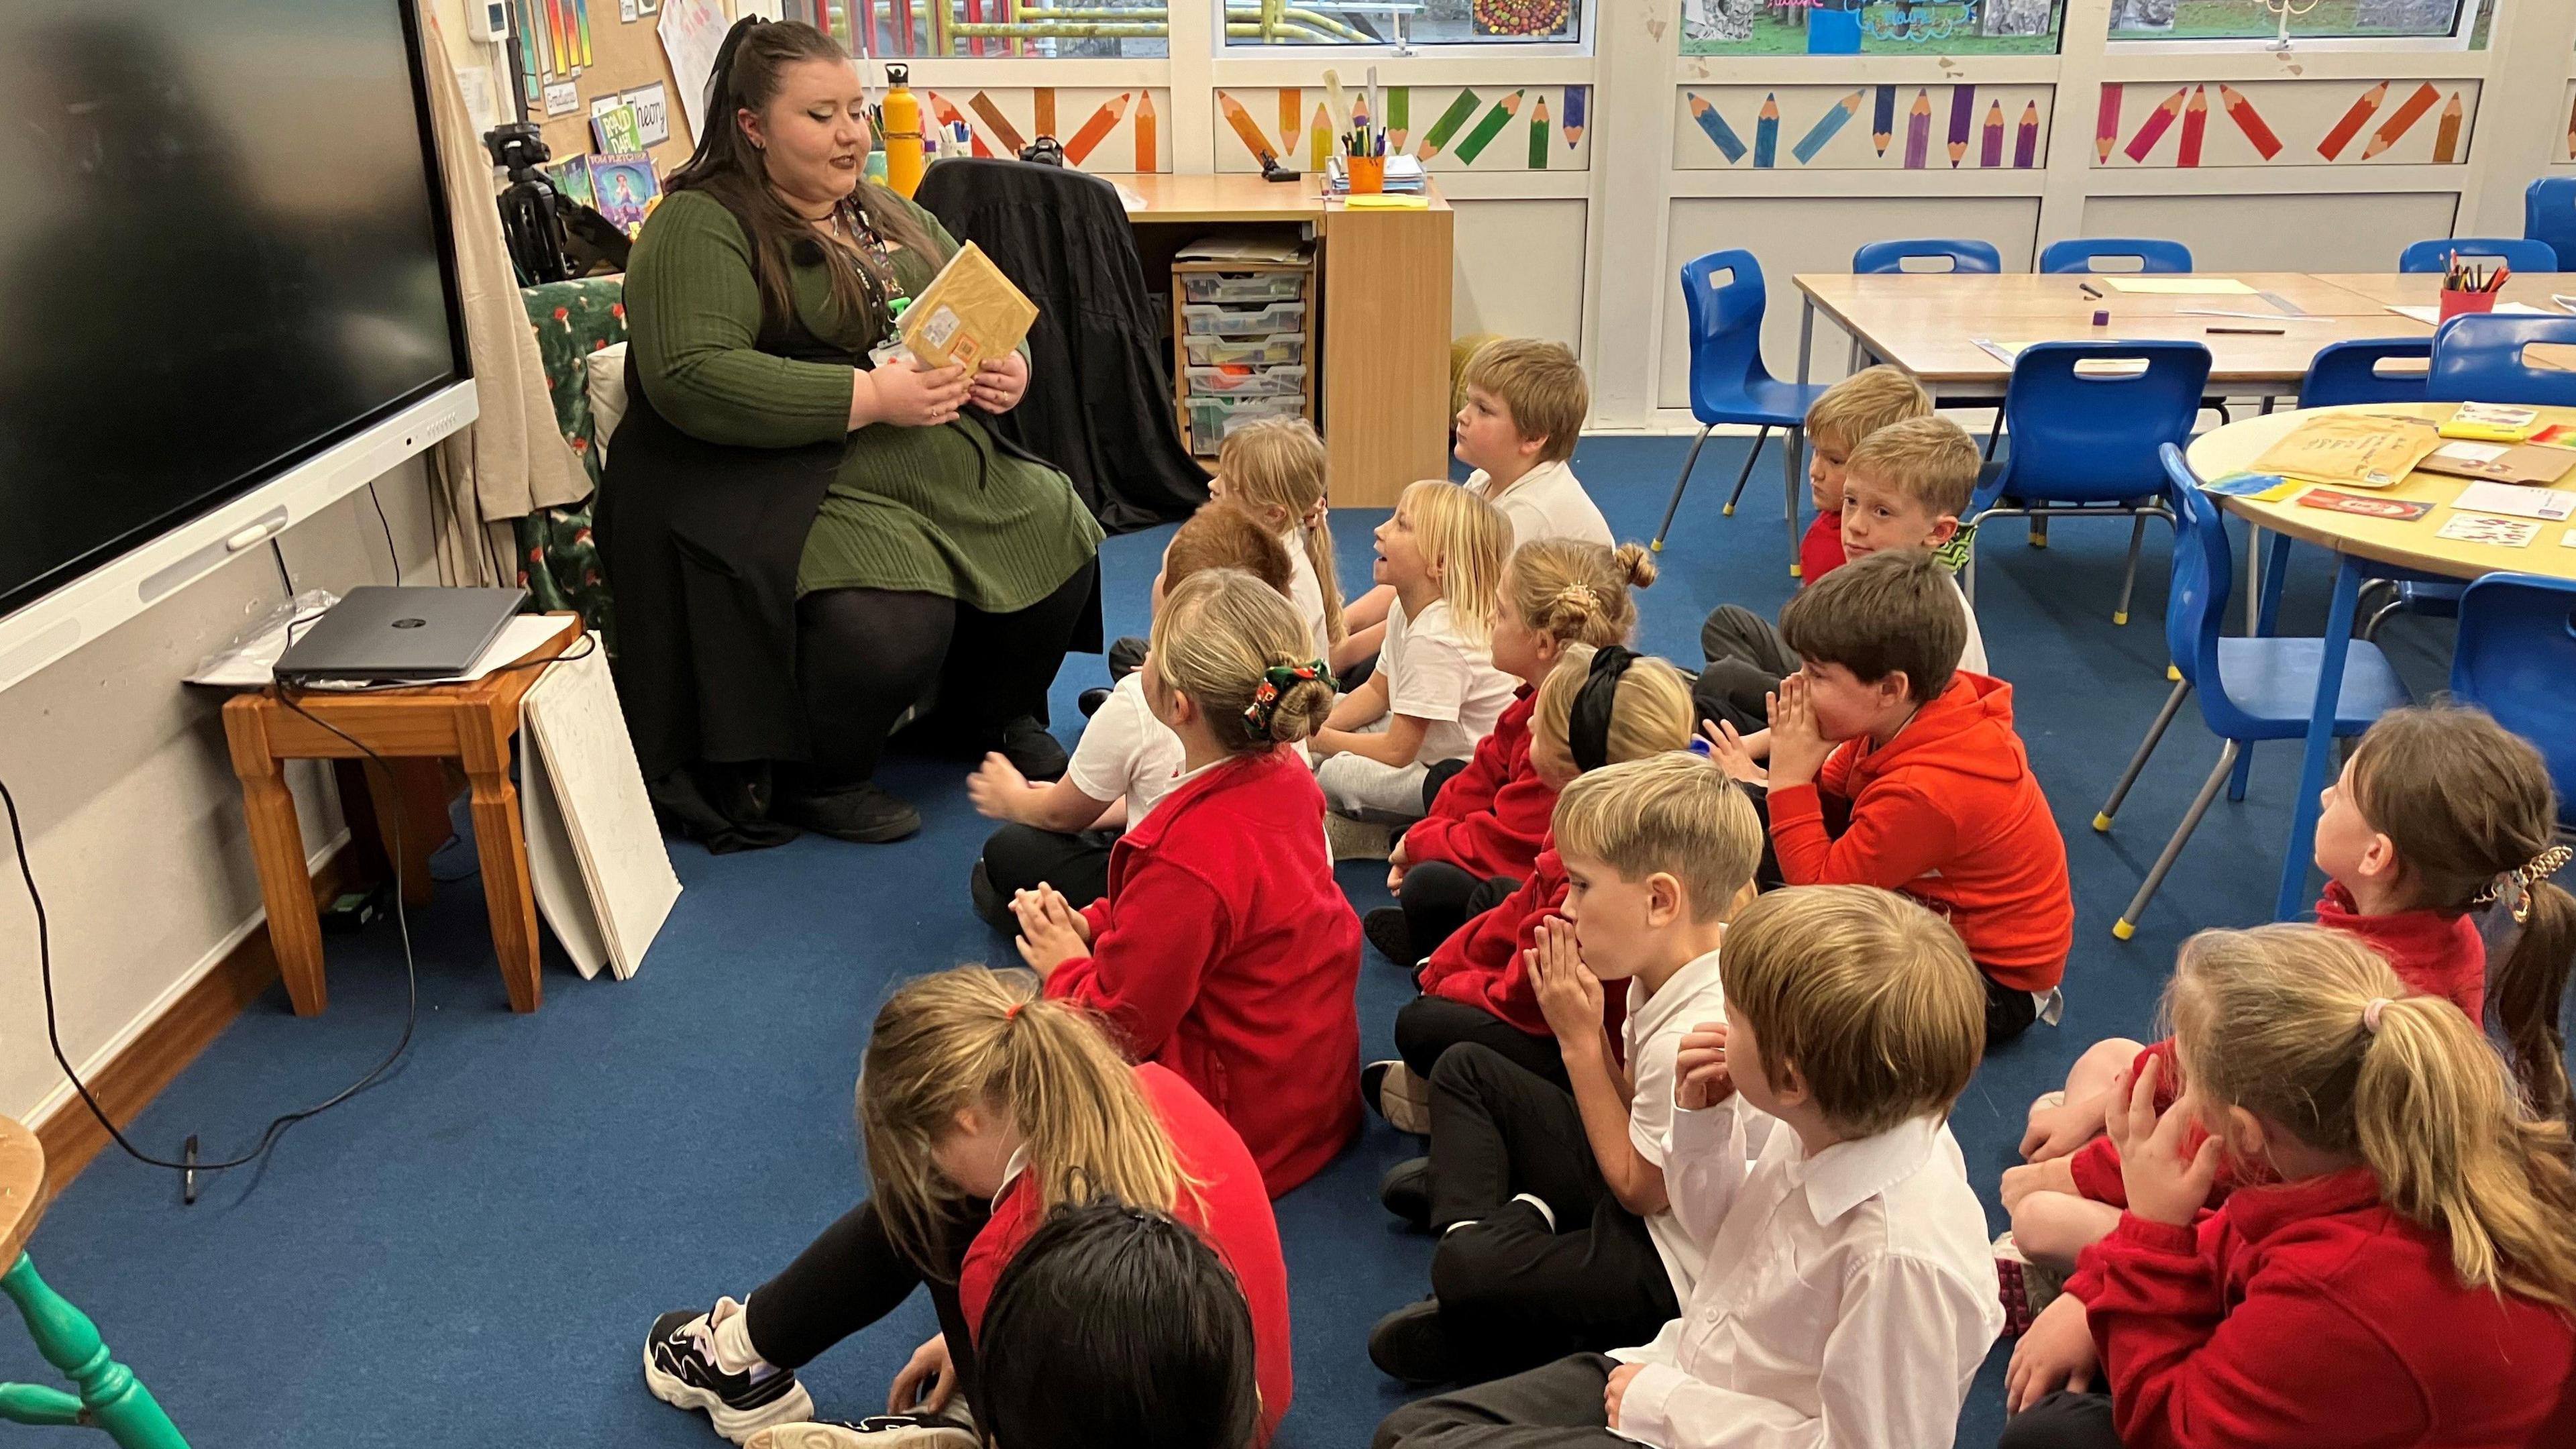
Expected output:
(1576, 592)
(1239, 651)
(1279, 464)
(1647, 711)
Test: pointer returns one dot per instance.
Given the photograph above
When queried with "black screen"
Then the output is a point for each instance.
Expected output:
(220, 251)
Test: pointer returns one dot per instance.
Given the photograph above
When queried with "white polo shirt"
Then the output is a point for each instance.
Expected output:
(1547, 502)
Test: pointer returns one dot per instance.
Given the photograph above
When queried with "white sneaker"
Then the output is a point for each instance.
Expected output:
(680, 1368)
(882, 1431)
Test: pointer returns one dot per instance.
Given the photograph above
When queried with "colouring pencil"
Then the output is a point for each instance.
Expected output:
(1826, 128)
(1246, 129)
(1991, 153)
(2446, 141)
(2350, 126)
(1149, 154)
(1320, 148)
(2402, 120)
(1399, 115)
(1715, 128)
(2158, 121)
(948, 114)
(1450, 120)
(2026, 137)
(581, 30)
(1963, 119)
(1292, 118)
(1101, 123)
(1575, 100)
(1766, 131)
(1488, 128)
(2250, 121)
(2106, 124)
(2195, 125)
(1918, 130)
(1882, 124)
(1538, 136)
(1008, 134)
(1044, 100)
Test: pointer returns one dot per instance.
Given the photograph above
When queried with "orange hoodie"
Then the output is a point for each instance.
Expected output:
(1949, 813)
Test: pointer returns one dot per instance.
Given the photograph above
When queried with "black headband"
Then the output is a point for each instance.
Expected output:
(1587, 730)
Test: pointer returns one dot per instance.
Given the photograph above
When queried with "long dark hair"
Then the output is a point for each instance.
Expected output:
(729, 168)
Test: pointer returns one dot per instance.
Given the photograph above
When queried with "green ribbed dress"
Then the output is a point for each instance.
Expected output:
(939, 510)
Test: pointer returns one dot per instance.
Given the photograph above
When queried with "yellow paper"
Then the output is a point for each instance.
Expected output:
(968, 313)
(1387, 203)
(2351, 450)
(2180, 286)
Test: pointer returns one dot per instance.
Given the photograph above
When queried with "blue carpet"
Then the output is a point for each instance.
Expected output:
(469, 1254)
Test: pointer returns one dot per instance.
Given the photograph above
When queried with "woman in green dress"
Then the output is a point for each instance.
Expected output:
(805, 529)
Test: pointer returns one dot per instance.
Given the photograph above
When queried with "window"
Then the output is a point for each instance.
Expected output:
(1871, 27)
(2258, 19)
(897, 29)
(1403, 23)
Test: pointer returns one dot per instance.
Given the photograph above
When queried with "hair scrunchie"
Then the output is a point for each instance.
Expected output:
(1587, 727)
(2370, 1014)
(1277, 680)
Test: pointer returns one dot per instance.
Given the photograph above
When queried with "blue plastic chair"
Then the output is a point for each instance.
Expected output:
(2346, 373)
(2514, 252)
(2549, 215)
(2086, 418)
(1729, 384)
(2080, 254)
(2250, 689)
(1964, 255)
(2478, 358)
(2516, 659)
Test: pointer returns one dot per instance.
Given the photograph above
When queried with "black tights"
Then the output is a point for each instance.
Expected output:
(850, 1277)
(864, 656)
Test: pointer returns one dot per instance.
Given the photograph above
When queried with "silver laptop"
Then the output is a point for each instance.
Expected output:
(399, 633)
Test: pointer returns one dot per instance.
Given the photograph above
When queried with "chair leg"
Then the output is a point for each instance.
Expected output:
(2129, 581)
(2039, 530)
(1791, 456)
(2379, 616)
(1760, 437)
(2127, 925)
(2238, 778)
(1994, 434)
(110, 1396)
(1679, 484)
(2138, 762)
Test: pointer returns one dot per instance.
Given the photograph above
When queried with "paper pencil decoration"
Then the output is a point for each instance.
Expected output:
(1882, 118)
(2106, 125)
(948, 114)
(1766, 131)
(1149, 155)
(1447, 126)
(1399, 115)
(1963, 119)
(1246, 129)
(1321, 138)
(1538, 136)
(1360, 116)
(1488, 128)
(2250, 121)
(555, 29)
(1044, 99)
(2402, 120)
(1093, 130)
(2158, 121)
(1918, 131)
(1292, 118)
(1715, 127)
(2026, 137)
(2350, 126)
(581, 29)
(1826, 128)
(1576, 98)
(2446, 141)
(2571, 131)
(1003, 131)
(2195, 125)
(1990, 151)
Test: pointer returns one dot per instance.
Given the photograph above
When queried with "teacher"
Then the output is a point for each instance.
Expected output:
(802, 538)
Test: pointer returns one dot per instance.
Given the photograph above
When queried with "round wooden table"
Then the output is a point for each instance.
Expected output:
(2365, 548)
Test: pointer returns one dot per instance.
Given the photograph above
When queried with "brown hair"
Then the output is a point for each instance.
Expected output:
(1895, 610)
(726, 166)
(1222, 536)
(1667, 813)
(1931, 460)
(1542, 386)
(1216, 639)
(1467, 538)
(1650, 713)
(1279, 463)
(1863, 403)
(1577, 592)
(1870, 996)
(2468, 806)
(2309, 1029)
(974, 1038)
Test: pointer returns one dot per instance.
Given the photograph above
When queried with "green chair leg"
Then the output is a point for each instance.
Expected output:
(111, 1398)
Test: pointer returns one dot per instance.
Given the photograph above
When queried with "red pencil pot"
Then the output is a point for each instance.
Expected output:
(2455, 304)
(1368, 174)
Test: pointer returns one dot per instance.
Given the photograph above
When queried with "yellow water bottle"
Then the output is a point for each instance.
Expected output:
(902, 132)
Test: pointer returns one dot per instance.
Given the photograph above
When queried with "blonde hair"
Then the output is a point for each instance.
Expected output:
(2311, 1030)
(1667, 813)
(1216, 639)
(974, 1038)
(1870, 996)
(2467, 803)
(1650, 714)
(1576, 592)
(1222, 536)
(1279, 463)
(1931, 460)
(1863, 403)
(1467, 539)
(1541, 385)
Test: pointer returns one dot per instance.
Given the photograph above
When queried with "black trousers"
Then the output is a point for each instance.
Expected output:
(1428, 1026)
(1746, 662)
(864, 656)
(852, 1276)
(1516, 1291)
(1440, 773)
(1438, 898)
(1555, 1406)
(2063, 1421)
(2009, 1013)
(1017, 857)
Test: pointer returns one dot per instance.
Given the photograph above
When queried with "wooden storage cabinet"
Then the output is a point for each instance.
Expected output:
(1243, 345)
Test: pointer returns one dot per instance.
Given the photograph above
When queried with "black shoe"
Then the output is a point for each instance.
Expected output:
(1414, 1345)
(680, 1369)
(1126, 656)
(1090, 700)
(1031, 750)
(863, 814)
(991, 906)
(1406, 1192)
(1387, 930)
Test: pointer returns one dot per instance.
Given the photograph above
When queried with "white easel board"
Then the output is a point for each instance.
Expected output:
(595, 854)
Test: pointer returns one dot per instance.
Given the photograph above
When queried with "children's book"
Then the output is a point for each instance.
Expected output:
(571, 177)
(623, 189)
(968, 313)
(615, 132)
(2492, 423)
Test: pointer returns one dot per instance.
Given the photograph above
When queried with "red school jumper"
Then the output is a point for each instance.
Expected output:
(2311, 1314)
(1230, 1210)
(1225, 951)
(1481, 964)
(1948, 813)
(1491, 818)
(1820, 552)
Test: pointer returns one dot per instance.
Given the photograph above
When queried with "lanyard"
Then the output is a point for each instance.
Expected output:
(852, 225)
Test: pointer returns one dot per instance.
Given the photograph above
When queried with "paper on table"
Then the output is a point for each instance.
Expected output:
(2432, 316)
(2550, 504)
(2363, 450)
(2003, 352)
(2188, 286)
(2479, 528)
(254, 665)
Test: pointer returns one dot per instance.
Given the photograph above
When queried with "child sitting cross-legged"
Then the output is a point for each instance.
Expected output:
(1557, 1230)
(1846, 1297)
(1890, 768)
(2403, 1273)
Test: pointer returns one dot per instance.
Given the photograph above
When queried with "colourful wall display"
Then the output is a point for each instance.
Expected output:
(1102, 130)
(1450, 128)
(2284, 123)
(1870, 27)
(1863, 128)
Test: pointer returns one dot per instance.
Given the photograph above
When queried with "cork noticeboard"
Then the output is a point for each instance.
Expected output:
(624, 54)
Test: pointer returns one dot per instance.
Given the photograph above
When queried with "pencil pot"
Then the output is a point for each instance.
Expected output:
(2455, 304)
(1368, 174)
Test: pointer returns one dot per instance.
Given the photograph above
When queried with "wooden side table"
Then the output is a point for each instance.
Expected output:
(414, 730)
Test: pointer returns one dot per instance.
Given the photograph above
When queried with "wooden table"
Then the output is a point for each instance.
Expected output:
(2365, 548)
(1386, 278)
(414, 730)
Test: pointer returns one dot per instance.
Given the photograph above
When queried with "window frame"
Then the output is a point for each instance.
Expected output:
(1587, 16)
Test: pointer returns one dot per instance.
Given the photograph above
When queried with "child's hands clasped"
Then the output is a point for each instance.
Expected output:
(2167, 1182)
(1798, 747)
(1569, 995)
(1728, 751)
(2057, 1353)
(1700, 1077)
(1052, 932)
(1395, 866)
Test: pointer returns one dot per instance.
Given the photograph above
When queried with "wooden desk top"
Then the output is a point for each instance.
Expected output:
(22, 1189)
(415, 721)
(1236, 196)
(2424, 289)
(2233, 449)
(2022, 294)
